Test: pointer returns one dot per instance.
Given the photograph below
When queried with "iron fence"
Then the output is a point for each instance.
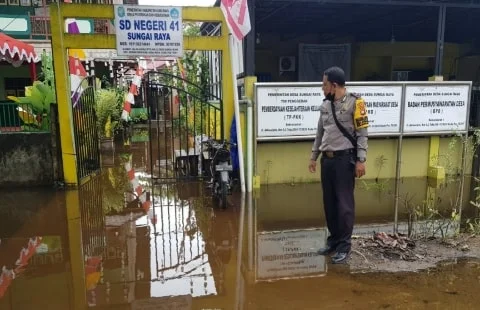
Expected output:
(16, 117)
(181, 115)
(87, 145)
(92, 217)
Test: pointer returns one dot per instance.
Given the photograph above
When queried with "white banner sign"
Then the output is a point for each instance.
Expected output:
(436, 108)
(154, 31)
(291, 110)
(288, 111)
(384, 107)
(290, 254)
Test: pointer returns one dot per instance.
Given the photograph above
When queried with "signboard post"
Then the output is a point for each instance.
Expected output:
(288, 111)
(436, 108)
(149, 31)
(384, 107)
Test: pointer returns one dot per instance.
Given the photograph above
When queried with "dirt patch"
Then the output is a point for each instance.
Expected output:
(394, 253)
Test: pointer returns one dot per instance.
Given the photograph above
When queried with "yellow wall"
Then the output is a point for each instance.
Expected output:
(287, 162)
(383, 57)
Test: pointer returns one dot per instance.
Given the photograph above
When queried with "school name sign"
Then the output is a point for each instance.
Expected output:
(153, 31)
(292, 110)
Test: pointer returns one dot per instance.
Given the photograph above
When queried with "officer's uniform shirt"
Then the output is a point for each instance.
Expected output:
(329, 137)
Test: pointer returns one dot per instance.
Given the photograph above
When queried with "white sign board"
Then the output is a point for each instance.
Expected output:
(440, 108)
(288, 110)
(154, 31)
(384, 106)
(290, 254)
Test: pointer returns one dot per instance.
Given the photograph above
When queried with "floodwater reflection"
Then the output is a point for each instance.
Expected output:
(290, 254)
(123, 242)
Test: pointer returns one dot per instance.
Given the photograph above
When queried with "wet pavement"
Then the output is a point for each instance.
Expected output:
(110, 246)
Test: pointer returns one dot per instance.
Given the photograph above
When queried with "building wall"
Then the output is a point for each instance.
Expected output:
(287, 162)
(26, 160)
(368, 58)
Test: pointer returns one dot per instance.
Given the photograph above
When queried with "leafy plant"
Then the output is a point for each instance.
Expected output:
(116, 183)
(34, 109)
(191, 89)
(109, 106)
(380, 187)
(47, 75)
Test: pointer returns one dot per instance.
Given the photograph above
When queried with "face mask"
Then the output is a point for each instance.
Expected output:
(330, 97)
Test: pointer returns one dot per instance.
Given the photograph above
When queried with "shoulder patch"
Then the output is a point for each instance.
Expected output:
(360, 115)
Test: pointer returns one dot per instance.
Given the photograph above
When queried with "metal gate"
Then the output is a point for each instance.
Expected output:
(85, 131)
(181, 115)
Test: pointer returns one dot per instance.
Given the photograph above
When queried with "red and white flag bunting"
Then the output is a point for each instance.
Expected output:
(237, 16)
(138, 190)
(133, 91)
(8, 275)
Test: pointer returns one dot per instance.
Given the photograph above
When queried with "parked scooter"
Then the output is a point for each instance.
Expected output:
(220, 168)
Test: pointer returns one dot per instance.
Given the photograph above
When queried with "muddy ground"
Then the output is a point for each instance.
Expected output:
(389, 253)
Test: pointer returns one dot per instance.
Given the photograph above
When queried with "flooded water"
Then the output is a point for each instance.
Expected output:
(101, 248)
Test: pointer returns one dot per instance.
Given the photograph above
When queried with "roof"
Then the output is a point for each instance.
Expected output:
(369, 20)
(365, 22)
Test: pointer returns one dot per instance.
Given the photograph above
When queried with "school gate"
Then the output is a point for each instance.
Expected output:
(182, 115)
(75, 164)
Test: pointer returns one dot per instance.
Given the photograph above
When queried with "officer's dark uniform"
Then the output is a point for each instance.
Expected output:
(338, 165)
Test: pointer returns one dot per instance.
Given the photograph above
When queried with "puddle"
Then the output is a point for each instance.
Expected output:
(111, 245)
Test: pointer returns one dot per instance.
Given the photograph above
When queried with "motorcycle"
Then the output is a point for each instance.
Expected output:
(220, 169)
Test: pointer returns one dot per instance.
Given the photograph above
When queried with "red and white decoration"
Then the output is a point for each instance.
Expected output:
(77, 74)
(16, 52)
(8, 275)
(138, 190)
(133, 91)
(237, 16)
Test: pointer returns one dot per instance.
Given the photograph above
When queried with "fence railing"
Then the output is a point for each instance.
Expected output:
(16, 117)
(41, 27)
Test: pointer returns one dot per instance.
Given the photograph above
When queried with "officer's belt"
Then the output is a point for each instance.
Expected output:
(331, 154)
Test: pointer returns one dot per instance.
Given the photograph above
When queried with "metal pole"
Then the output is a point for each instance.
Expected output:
(442, 14)
(399, 160)
(233, 57)
(462, 178)
(397, 183)
(250, 147)
(241, 222)
(250, 232)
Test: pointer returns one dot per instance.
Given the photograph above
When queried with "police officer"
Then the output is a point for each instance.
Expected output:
(341, 139)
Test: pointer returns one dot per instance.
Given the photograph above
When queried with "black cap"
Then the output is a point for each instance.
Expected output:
(335, 75)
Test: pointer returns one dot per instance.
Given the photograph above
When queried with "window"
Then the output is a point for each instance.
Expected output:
(3, 2)
(13, 2)
(16, 86)
(25, 2)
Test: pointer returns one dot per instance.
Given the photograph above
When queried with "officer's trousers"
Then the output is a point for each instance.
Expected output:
(338, 184)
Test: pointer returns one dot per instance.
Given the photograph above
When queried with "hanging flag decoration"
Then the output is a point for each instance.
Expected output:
(139, 192)
(237, 16)
(133, 91)
(8, 275)
(77, 76)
